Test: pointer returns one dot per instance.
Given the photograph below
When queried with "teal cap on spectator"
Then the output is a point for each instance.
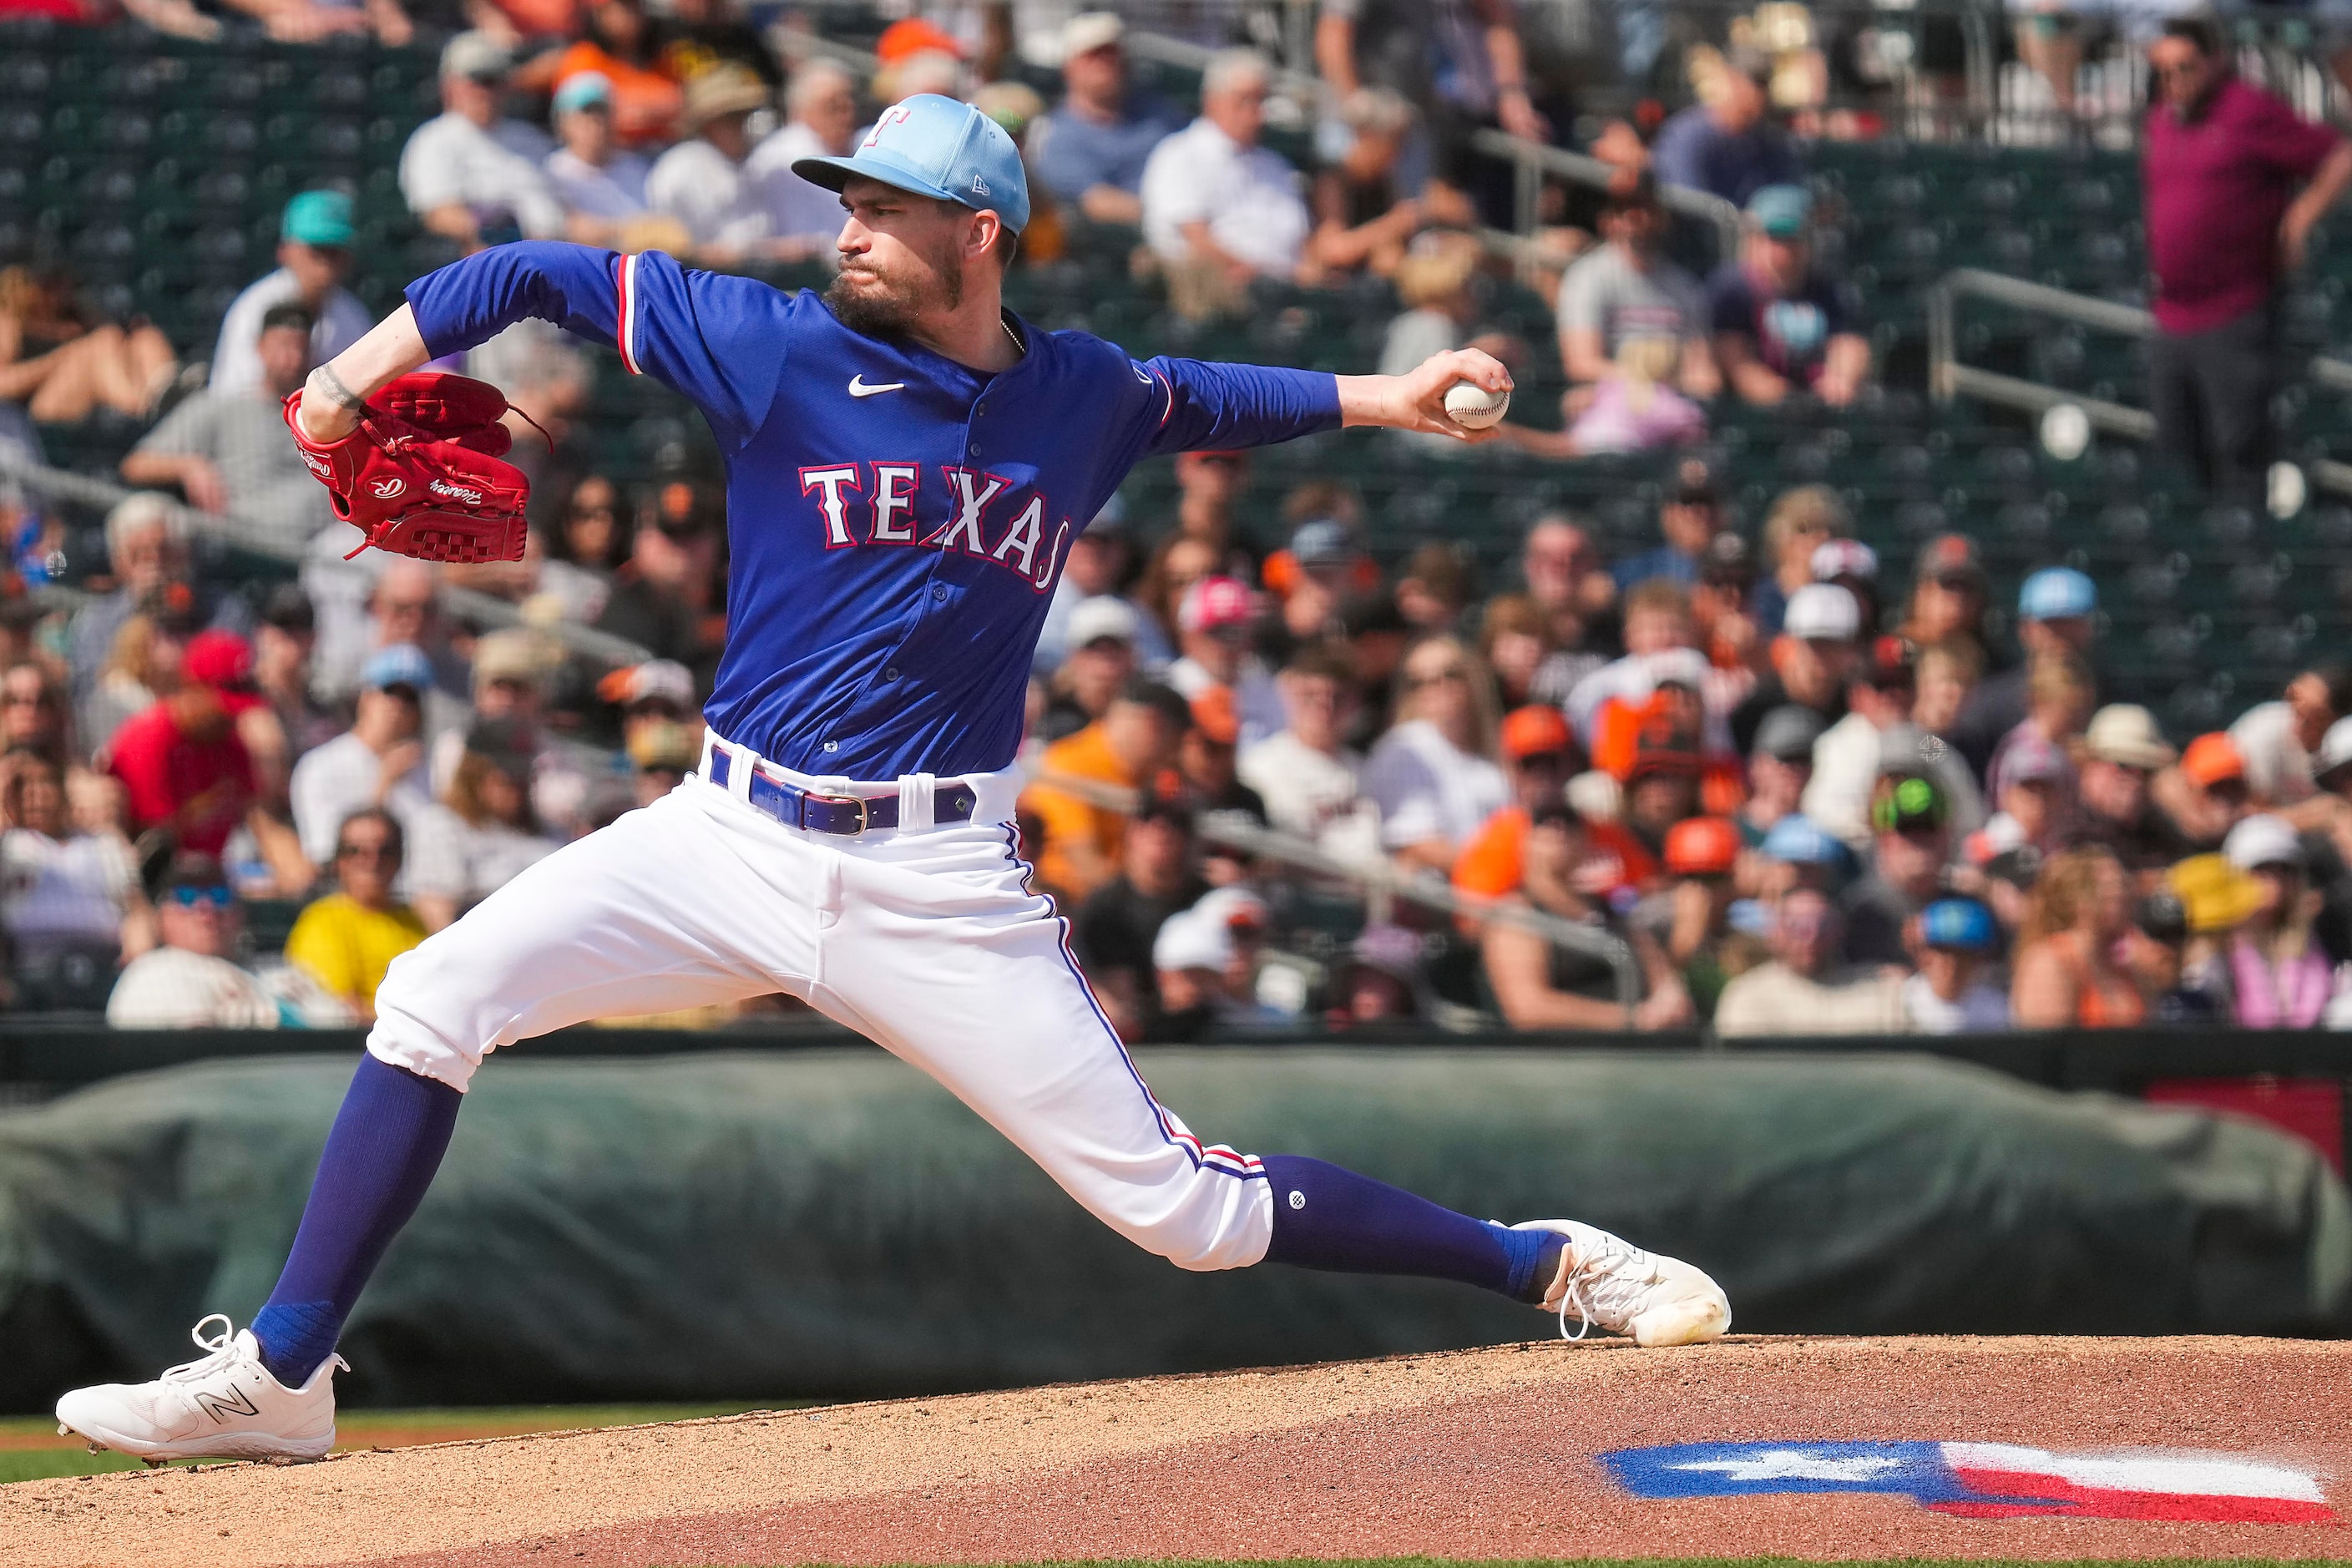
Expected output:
(584, 90)
(2057, 593)
(318, 218)
(1782, 211)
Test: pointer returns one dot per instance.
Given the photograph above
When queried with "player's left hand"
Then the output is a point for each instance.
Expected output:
(1416, 399)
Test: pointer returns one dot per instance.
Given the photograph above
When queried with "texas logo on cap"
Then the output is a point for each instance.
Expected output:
(936, 147)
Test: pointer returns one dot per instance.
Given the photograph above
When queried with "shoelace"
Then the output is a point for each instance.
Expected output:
(219, 1349)
(1598, 1285)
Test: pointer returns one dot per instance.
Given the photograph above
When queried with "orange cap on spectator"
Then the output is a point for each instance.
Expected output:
(1532, 730)
(2210, 759)
(1702, 846)
(1213, 715)
(912, 36)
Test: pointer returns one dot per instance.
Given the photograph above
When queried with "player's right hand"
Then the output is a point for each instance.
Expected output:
(1420, 392)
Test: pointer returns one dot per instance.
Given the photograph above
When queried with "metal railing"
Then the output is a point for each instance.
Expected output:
(1531, 161)
(1948, 378)
(1380, 878)
(476, 609)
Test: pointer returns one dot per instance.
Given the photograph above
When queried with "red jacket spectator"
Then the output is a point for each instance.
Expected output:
(182, 766)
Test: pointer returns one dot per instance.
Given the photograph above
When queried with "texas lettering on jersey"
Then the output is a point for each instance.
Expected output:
(878, 503)
(896, 522)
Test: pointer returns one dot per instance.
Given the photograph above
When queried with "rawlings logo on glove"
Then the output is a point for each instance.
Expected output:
(425, 474)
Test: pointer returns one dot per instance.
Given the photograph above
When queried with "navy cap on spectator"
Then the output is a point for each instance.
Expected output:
(1788, 732)
(1962, 925)
(402, 664)
(2057, 593)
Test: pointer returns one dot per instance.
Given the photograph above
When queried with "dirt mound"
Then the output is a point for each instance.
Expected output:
(1476, 1454)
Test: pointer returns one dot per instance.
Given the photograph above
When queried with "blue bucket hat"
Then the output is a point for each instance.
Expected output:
(937, 147)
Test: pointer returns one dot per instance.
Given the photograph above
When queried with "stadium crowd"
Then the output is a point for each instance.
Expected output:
(1804, 798)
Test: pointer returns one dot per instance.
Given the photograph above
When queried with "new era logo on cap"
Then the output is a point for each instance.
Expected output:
(936, 147)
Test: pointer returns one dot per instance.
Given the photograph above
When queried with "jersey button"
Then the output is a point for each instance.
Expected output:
(939, 592)
(833, 745)
(891, 673)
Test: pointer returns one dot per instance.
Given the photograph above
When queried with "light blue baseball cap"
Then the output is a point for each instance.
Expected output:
(2057, 593)
(402, 664)
(935, 146)
(1800, 841)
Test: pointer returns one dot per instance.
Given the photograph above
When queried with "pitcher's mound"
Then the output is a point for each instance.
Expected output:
(1882, 1448)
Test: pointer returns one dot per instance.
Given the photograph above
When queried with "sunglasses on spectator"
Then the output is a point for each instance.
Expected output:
(365, 852)
(1436, 677)
(213, 898)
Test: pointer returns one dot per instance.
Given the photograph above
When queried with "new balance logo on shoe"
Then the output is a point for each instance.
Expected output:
(243, 1405)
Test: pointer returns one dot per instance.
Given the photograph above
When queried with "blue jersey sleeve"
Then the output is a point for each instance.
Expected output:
(1202, 406)
(719, 341)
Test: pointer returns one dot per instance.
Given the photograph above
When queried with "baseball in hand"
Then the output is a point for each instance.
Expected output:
(1473, 407)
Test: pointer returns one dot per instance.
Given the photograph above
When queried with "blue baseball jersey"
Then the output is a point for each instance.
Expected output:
(896, 522)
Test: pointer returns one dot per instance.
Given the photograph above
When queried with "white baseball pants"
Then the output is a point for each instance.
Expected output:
(929, 943)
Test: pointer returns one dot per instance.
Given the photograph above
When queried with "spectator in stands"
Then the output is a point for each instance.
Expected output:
(1432, 280)
(1218, 208)
(147, 556)
(1804, 990)
(1851, 753)
(1689, 517)
(1432, 775)
(601, 184)
(1625, 288)
(1209, 489)
(1097, 566)
(2227, 225)
(401, 607)
(1800, 853)
(484, 829)
(1812, 660)
(2065, 974)
(347, 939)
(664, 596)
(64, 893)
(820, 122)
(1462, 67)
(2059, 701)
(1206, 961)
(1090, 152)
(702, 181)
(1573, 593)
(1910, 849)
(1539, 984)
(2034, 797)
(1779, 325)
(228, 451)
(2122, 751)
(511, 669)
(617, 42)
(1087, 782)
(1953, 942)
(143, 665)
(1207, 760)
(1658, 638)
(1949, 671)
(2057, 611)
(1213, 625)
(314, 258)
(2276, 739)
(33, 713)
(1309, 780)
(1780, 767)
(1116, 925)
(587, 547)
(1102, 660)
(1722, 624)
(282, 638)
(190, 981)
(2206, 794)
(1176, 563)
(1690, 919)
(378, 765)
(186, 770)
(661, 754)
(2157, 953)
(1512, 644)
(469, 174)
(1433, 592)
(1950, 598)
(1727, 144)
(2274, 971)
(1538, 757)
(1361, 220)
(63, 364)
(1801, 521)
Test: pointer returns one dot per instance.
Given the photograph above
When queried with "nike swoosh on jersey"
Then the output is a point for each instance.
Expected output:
(857, 387)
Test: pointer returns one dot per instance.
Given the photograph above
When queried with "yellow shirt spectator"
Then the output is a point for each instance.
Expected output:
(346, 947)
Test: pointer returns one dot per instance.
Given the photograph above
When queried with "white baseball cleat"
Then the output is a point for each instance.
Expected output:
(225, 1406)
(1608, 1283)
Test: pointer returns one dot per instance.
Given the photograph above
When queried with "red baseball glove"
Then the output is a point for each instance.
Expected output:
(425, 473)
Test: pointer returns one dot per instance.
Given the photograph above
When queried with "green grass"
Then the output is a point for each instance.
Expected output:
(31, 1450)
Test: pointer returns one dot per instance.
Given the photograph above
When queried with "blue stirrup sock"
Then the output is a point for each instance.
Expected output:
(1325, 1217)
(387, 1141)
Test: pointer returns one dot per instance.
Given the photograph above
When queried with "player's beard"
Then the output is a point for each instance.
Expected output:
(891, 309)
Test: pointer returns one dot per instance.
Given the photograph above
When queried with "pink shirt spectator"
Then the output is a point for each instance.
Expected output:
(1620, 420)
(2214, 191)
